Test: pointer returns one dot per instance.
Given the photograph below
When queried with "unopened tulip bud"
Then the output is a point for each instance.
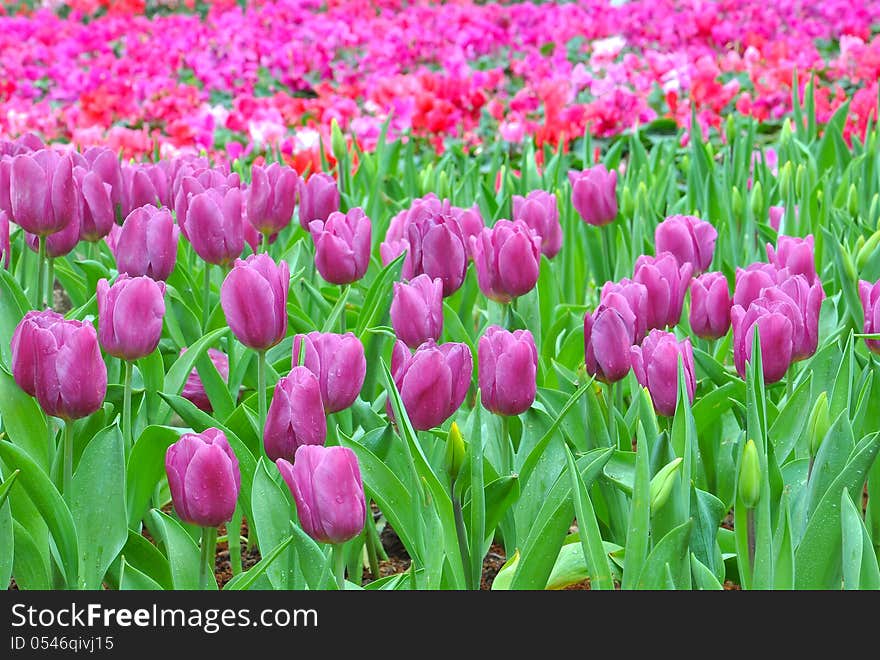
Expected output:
(254, 299)
(819, 423)
(655, 364)
(455, 451)
(417, 310)
(594, 194)
(130, 315)
(508, 260)
(662, 484)
(749, 485)
(339, 363)
(318, 198)
(342, 246)
(296, 416)
(508, 364)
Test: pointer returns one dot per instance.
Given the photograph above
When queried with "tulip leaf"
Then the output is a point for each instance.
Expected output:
(7, 533)
(29, 565)
(703, 578)
(176, 376)
(139, 553)
(570, 567)
(48, 502)
(788, 425)
(134, 580)
(24, 422)
(501, 494)
(13, 306)
(146, 468)
(666, 554)
(7, 485)
(477, 514)
(215, 387)
(181, 550)
(271, 511)
(833, 455)
(312, 560)
(860, 569)
(249, 578)
(376, 301)
(331, 323)
(638, 531)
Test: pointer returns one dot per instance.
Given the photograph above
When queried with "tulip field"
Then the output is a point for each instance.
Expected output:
(414, 295)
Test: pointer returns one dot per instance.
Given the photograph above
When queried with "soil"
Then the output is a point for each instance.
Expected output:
(60, 300)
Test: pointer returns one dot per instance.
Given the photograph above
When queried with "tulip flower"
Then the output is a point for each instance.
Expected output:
(214, 225)
(60, 363)
(667, 283)
(145, 184)
(130, 315)
(594, 194)
(655, 364)
(870, 296)
(104, 162)
(417, 310)
(59, 244)
(508, 364)
(508, 260)
(271, 197)
(751, 281)
(5, 249)
(326, 485)
(471, 222)
(776, 331)
(296, 416)
(5, 174)
(636, 296)
(318, 198)
(42, 192)
(98, 214)
(690, 239)
(194, 389)
(710, 306)
(205, 481)
(795, 254)
(147, 243)
(775, 215)
(342, 246)
(338, 362)
(609, 332)
(433, 381)
(539, 211)
(808, 301)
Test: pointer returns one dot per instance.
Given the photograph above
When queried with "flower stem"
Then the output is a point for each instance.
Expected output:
(261, 387)
(126, 408)
(461, 534)
(750, 531)
(339, 565)
(68, 458)
(506, 446)
(50, 284)
(206, 561)
(606, 243)
(264, 243)
(371, 539)
(206, 298)
(41, 262)
(233, 539)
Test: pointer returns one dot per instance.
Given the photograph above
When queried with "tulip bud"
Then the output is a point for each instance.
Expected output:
(203, 477)
(852, 201)
(455, 452)
(328, 491)
(194, 389)
(60, 363)
(342, 246)
(867, 250)
(795, 254)
(130, 315)
(432, 382)
(870, 297)
(608, 336)
(689, 239)
(296, 415)
(417, 310)
(776, 333)
(538, 210)
(736, 202)
(667, 283)
(98, 214)
(800, 175)
(508, 364)
(627, 203)
(594, 194)
(808, 303)
(655, 364)
(43, 194)
(710, 306)
(749, 485)
(214, 225)
(775, 215)
(271, 198)
(146, 244)
(254, 299)
(662, 483)
(636, 296)
(508, 260)
(339, 363)
(318, 198)
(751, 281)
(819, 423)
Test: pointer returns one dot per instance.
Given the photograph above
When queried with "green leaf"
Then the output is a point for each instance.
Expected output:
(24, 422)
(29, 566)
(246, 580)
(786, 429)
(146, 468)
(7, 485)
(312, 560)
(704, 579)
(375, 301)
(134, 580)
(139, 553)
(271, 511)
(666, 554)
(860, 569)
(638, 530)
(176, 377)
(181, 550)
(13, 306)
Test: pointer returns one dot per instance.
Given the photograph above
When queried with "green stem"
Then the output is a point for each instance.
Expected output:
(506, 446)
(461, 533)
(206, 560)
(371, 539)
(264, 243)
(50, 284)
(344, 292)
(339, 565)
(261, 388)
(233, 539)
(41, 262)
(68, 457)
(750, 530)
(206, 298)
(126, 408)
(606, 243)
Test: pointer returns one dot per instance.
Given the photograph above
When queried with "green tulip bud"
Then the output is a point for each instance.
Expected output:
(662, 483)
(852, 200)
(750, 476)
(785, 177)
(736, 202)
(627, 203)
(455, 451)
(799, 176)
(820, 422)
(337, 141)
(785, 133)
(867, 249)
(757, 200)
(730, 128)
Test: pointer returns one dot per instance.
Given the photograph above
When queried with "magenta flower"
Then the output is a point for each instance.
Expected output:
(690, 239)
(339, 363)
(539, 211)
(342, 246)
(296, 415)
(710, 306)
(508, 364)
(655, 364)
(194, 389)
(271, 198)
(795, 254)
(318, 198)
(776, 332)
(508, 260)
(130, 315)
(870, 296)
(417, 310)
(667, 283)
(254, 299)
(147, 243)
(594, 194)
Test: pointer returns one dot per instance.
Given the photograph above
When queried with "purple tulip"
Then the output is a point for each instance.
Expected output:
(60, 363)
(60, 243)
(254, 299)
(655, 364)
(130, 315)
(609, 332)
(636, 296)
(98, 214)
(432, 382)
(105, 164)
(203, 477)
(318, 198)
(5, 249)
(667, 283)
(296, 416)
(328, 491)
(807, 300)
(594, 194)
(775, 215)
(338, 362)
(470, 221)
(271, 197)
(710, 306)
(751, 281)
(5, 174)
(776, 332)
(870, 296)
(539, 211)
(342, 246)
(508, 260)
(214, 225)
(690, 239)
(145, 184)
(147, 243)
(417, 310)
(508, 364)
(194, 389)
(795, 254)
(434, 245)
(43, 193)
